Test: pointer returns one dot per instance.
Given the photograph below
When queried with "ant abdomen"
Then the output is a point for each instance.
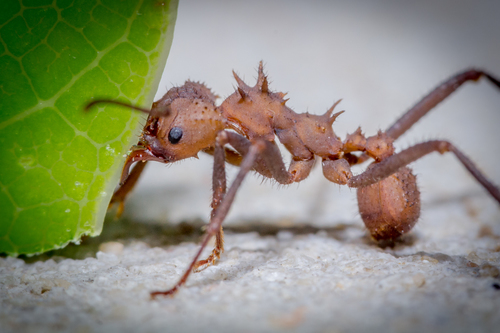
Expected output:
(391, 207)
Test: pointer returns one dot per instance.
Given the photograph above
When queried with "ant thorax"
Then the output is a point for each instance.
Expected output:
(256, 112)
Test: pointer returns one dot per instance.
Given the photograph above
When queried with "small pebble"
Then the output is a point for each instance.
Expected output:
(111, 247)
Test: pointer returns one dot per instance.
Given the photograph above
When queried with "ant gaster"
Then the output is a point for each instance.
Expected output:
(242, 130)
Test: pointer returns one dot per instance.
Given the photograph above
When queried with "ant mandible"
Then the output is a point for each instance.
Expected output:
(242, 130)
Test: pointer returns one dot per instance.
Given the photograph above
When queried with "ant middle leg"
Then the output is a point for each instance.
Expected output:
(268, 163)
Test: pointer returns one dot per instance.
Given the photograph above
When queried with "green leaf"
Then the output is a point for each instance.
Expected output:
(59, 165)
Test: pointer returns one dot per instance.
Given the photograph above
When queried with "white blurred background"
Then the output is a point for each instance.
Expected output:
(381, 57)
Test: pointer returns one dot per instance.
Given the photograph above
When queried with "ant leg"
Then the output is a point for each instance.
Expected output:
(124, 189)
(434, 98)
(232, 157)
(223, 208)
(219, 190)
(391, 164)
(242, 145)
(129, 179)
(269, 163)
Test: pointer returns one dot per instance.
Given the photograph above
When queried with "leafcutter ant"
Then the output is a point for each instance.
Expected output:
(242, 132)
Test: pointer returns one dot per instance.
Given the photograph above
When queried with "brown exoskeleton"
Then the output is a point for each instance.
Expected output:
(242, 131)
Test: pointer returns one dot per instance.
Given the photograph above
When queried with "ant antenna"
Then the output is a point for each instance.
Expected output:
(110, 101)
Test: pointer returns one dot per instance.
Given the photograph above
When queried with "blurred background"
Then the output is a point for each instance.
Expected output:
(381, 57)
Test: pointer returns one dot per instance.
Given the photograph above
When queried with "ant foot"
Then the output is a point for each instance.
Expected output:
(169, 292)
(119, 210)
(203, 264)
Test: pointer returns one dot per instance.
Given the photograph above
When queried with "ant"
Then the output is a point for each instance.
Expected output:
(242, 130)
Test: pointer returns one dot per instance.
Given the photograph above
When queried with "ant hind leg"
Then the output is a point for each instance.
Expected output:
(390, 165)
(435, 97)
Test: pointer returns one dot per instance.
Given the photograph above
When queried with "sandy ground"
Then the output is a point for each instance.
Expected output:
(298, 258)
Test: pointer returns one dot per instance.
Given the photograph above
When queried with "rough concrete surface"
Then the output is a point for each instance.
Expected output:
(297, 258)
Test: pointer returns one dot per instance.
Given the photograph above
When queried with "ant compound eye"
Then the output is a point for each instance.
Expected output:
(175, 135)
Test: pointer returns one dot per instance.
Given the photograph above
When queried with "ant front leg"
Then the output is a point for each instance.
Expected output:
(388, 198)
(124, 189)
(262, 156)
(128, 180)
(219, 190)
(223, 206)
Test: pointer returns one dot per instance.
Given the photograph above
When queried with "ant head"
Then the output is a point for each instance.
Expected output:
(182, 123)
